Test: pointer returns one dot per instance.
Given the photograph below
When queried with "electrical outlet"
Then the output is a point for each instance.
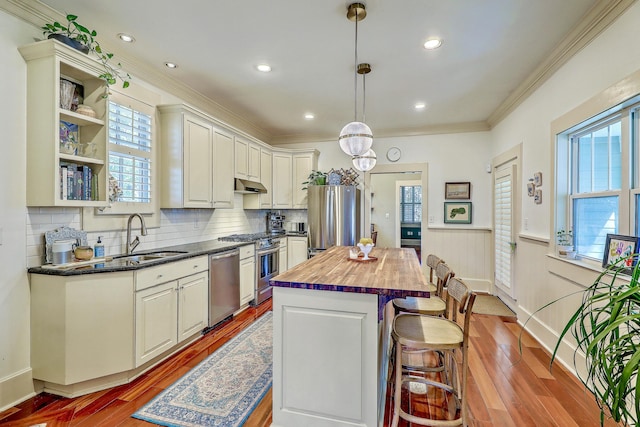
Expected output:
(526, 223)
(432, 219)
(386, 215)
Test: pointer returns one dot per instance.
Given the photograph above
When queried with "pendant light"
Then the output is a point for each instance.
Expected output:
(366, 161)
(356, 137)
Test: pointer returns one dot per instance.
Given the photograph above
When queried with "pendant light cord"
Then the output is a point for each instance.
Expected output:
(355, 74)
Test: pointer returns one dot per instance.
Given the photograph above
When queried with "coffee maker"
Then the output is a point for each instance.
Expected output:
(275, 223)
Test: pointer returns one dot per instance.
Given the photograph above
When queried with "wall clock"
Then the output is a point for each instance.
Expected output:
(393, 154)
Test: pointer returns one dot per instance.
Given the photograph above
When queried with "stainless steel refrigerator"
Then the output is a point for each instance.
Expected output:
(333, 216)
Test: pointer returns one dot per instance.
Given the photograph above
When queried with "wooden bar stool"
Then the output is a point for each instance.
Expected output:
(433, 306)
(412, 332)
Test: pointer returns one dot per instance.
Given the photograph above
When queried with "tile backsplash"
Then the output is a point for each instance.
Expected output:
(177, 226)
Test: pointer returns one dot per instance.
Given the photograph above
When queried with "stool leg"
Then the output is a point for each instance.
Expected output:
(397, 393)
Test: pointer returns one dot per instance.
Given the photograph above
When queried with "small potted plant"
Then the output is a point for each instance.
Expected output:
(81, 38)
(564, 240)
(315, 178)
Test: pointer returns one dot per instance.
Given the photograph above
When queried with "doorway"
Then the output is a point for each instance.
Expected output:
(377, 204)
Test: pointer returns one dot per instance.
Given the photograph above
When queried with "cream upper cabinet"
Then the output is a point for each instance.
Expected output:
(67, 161)
(198, 165)
(266, 178)
(262, 200)
(196, 160)
(282, 180)
(247, 161)
(296, 250)
(223, 151)
(254, 162)
(303, 163)
(241, 161)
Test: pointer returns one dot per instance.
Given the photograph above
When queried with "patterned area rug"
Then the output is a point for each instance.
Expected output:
(224, 388)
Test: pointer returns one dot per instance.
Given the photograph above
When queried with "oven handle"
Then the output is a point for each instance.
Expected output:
(267, 251)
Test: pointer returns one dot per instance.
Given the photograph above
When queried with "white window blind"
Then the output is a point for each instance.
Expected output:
(503, 211)
(130, 138)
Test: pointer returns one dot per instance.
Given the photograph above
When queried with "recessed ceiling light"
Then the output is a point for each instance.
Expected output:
(126, 38)
(309, 116)
(265, 68)
(170, 65)
(433, 43)
(420, 106)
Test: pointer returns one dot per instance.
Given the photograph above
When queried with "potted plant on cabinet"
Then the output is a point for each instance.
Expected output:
(315, 178)
(81, 38)
(564, 242)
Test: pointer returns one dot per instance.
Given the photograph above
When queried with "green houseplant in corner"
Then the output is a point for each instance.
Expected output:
(606, 327)
(81, 38)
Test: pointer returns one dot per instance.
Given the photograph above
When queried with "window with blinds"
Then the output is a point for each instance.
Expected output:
(411, 203)
(503, 211)
(130, 144)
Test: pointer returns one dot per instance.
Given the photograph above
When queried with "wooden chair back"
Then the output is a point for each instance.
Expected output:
(432, 263)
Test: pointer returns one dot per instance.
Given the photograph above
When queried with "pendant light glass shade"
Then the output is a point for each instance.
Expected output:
(365, 162)
(355, 138)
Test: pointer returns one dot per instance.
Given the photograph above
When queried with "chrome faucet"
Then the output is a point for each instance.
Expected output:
(143, 231)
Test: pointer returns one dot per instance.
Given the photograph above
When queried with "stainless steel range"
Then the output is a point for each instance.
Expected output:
(267, 246)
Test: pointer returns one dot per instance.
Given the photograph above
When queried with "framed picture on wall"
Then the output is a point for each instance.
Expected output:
(618, 250)
(457, 212)
(457, 190)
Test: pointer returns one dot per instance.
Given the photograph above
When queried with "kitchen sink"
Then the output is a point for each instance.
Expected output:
(149, 256)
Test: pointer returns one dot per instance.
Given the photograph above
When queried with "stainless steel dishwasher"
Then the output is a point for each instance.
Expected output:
(224, 285)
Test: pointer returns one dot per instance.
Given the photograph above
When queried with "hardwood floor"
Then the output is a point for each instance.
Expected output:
(505, 388)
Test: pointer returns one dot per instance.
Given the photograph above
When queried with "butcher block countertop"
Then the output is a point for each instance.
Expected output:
(395, 274)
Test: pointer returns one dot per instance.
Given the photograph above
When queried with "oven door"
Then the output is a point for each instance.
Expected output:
(266, 268)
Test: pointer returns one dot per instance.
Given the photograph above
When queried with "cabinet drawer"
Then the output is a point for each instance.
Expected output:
(247, 251)
(152, 276)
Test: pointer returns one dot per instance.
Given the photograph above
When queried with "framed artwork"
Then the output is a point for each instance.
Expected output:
(538, 197)
(537, 179)
(618, 247)
(457, 212)
(531, 189)
(457, 190)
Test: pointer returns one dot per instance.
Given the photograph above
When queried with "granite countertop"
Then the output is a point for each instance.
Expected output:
(191, 250)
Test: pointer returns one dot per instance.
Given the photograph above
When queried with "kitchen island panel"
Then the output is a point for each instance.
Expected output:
(316, 332)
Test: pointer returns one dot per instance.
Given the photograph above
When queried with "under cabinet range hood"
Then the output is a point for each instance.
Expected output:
(249, 187)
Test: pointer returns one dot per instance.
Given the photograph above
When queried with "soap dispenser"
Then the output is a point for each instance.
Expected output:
(98, 248)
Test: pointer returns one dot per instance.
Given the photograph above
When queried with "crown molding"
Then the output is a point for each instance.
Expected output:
(36, 13)
(464, 127)
(595, 21)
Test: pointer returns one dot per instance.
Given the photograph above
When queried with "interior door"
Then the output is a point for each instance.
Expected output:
(504, 235)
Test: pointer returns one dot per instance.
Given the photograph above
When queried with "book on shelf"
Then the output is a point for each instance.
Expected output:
(77, 182)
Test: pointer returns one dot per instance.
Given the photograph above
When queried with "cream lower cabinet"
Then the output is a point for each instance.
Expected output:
(296, 250)
(247, 274)
(283, 262)
(81, 328)
(171, 305)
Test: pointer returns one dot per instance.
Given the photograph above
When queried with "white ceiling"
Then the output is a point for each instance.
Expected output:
(491, 47)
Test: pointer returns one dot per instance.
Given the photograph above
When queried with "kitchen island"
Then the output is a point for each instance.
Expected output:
(330, 337)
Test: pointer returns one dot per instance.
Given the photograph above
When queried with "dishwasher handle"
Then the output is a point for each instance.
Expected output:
(225, 255)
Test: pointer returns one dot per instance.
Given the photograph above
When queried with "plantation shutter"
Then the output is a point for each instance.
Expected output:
(503, 228)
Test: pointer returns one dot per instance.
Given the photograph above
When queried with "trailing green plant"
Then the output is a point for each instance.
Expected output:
(606, 327)
(315, 178)
(87, 38)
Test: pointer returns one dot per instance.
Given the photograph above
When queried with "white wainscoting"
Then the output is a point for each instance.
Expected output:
(466, 250)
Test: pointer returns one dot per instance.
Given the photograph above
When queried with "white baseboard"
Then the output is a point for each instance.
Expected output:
(16, 388)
